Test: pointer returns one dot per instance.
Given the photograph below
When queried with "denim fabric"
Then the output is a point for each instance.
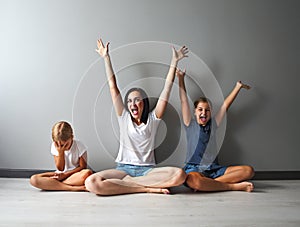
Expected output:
(134, 170)
(213, 171)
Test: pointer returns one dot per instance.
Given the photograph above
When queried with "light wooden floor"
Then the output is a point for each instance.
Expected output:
(273, 203)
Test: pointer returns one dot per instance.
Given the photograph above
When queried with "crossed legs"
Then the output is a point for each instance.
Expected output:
(233, 179)
(116, 182)
(75, 182)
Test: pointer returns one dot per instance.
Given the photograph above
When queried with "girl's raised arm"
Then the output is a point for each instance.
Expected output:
(165, 94)
(229, 100)
(185, 108)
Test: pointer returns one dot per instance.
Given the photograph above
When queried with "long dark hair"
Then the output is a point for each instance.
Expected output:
(145, 98)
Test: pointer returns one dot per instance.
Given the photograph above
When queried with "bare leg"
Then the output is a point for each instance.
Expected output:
(198, 182)
(77, 179)
(45, 182)
(235, 174)
(162, 177)
(111, 182)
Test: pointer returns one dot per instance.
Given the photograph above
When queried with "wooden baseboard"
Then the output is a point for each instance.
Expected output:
(259, 175)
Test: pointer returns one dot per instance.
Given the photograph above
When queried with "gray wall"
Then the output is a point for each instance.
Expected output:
(50, 71)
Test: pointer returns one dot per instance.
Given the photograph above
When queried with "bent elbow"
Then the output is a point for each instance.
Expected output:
(59, 168)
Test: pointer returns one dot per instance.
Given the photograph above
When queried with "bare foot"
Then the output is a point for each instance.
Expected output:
(243, 186)
(159, 190)
(78, 188)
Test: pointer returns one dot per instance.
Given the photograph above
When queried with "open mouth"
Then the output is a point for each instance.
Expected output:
(203, 118)
(134, 111)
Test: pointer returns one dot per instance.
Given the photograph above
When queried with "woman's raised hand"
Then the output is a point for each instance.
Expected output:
(179, 54)
(102, 50)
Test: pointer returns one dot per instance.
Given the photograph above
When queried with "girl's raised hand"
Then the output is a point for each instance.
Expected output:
(179, 73)
(242, 85)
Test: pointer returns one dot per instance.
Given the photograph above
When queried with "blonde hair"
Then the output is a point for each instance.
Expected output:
(62, 131)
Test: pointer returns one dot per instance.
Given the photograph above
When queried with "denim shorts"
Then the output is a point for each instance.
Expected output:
(213, 171)
(134, 170)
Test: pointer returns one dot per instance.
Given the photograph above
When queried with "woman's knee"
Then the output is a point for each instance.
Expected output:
(181, 176)
(178, 176)
(93, 183)
(89, 182)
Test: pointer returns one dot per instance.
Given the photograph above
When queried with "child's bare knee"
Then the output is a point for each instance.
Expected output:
(34, 180)
(193, 180)
(86, 173)
(249, 172)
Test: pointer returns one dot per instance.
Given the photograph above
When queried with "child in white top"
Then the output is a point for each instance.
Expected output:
(70, 158)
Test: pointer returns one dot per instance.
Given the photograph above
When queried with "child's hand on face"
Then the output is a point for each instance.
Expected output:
(59, 148)
(62, 146)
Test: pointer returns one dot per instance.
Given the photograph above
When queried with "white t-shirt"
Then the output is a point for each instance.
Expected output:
(71, 156)
(137, 141)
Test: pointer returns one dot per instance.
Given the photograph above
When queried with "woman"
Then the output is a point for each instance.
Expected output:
(135, 172)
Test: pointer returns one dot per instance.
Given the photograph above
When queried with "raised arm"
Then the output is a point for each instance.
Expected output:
(185, 108)
(165, 94)
(229, 100)
(112, 83)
